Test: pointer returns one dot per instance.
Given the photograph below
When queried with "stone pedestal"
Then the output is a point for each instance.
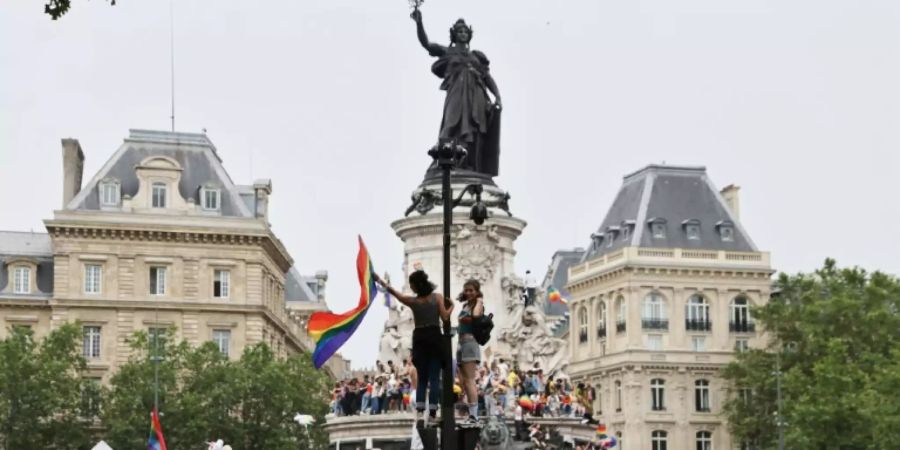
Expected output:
(482, 252)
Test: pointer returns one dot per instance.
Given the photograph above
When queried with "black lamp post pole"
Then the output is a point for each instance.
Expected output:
(445, 156)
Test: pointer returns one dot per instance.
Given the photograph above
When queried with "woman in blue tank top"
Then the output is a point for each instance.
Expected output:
(468, 353)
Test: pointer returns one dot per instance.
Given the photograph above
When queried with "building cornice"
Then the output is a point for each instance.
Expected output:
(668, 261)
(175, 235)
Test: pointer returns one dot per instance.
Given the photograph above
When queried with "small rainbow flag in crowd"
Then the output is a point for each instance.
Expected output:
(330, 331)
(156, 440)
(601, 429)
(555, 297)
(526, 403)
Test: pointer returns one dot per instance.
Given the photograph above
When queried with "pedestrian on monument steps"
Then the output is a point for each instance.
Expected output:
(428, 308)
(468, 353)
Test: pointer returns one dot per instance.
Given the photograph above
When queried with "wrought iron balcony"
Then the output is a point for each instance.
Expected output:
(698, 325)
(655, 324)
(620, 327)
(582, 337)
(601, 331)
(742, 327)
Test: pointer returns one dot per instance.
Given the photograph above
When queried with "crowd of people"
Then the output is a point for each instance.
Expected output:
(501, 391)
(388, 389)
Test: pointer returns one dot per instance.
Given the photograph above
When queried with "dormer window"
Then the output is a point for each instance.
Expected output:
(158, 195)
(22, 280)
(657, 227)
(692, 229)
(611, 233)
(596, 239)
(210, 198)
(726, 230)
(627, 225)
(110, 193)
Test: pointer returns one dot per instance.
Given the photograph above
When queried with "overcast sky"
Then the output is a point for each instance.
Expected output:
(796, 101)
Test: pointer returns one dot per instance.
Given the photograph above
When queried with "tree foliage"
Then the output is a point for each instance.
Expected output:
(836, 335)
(58, 8)
(249, 403)
(40, 390)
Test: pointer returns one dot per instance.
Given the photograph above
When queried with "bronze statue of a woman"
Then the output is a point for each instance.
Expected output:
(470, 118)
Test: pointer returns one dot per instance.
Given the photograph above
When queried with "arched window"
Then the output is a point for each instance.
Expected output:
(658, 440)
(740, 316)
(657, 394)
(601, 320)
(582, 325)
(618, 396)
(701, 396)
(704, 440)
(697, 314)
(653, 313)
(621, 314)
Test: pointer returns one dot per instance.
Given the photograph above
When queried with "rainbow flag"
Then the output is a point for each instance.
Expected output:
(554, 296)
(156, 440)
(601, 429)
(330, 331)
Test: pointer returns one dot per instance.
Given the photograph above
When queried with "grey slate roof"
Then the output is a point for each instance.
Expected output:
(558, 275)
(296, 287)
(36, 246)
(24, 243)
(194, 152)
(674, 196)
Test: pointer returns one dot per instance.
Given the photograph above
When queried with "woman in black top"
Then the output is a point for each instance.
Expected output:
(428, 308)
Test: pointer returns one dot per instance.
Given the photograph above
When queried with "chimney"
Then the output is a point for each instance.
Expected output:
(262, 189)
(731, 196)
(73, 168)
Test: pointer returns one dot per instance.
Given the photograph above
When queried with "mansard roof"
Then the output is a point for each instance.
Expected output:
(673, 198)
(194, 152)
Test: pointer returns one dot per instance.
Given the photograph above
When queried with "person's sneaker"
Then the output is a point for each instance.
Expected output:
(470, 422)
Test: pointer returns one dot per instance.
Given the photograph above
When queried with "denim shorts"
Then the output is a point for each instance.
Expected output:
(468, 350)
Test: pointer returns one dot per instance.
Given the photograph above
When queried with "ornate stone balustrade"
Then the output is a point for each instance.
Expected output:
(722, 260)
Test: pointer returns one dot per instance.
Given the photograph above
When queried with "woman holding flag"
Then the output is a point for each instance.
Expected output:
(428, 308)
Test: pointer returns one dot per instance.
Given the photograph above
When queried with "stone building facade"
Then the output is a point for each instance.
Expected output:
(159, 237)
(660, 302)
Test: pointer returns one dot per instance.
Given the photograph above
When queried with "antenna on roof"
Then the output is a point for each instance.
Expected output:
(172, 55)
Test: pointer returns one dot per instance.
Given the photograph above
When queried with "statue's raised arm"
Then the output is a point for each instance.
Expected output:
(433, 49)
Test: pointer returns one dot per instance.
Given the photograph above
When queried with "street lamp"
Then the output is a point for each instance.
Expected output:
(447, 155)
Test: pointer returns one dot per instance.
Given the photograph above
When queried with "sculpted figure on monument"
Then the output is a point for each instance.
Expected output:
(470, 118)
(528, 336)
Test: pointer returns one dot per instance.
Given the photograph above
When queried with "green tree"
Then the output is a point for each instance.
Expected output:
(249, 403)
(836, 335)
(41, 388)
(58, 8)
(130, 395)
(270, 392)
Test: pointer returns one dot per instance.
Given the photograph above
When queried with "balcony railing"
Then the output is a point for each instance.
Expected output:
(742, 327)
(655, 324)
(582, 337)
(601, 332)
(697, 325)
(620, 327)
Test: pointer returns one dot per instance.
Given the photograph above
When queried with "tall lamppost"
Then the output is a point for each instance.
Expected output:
(447, 156)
